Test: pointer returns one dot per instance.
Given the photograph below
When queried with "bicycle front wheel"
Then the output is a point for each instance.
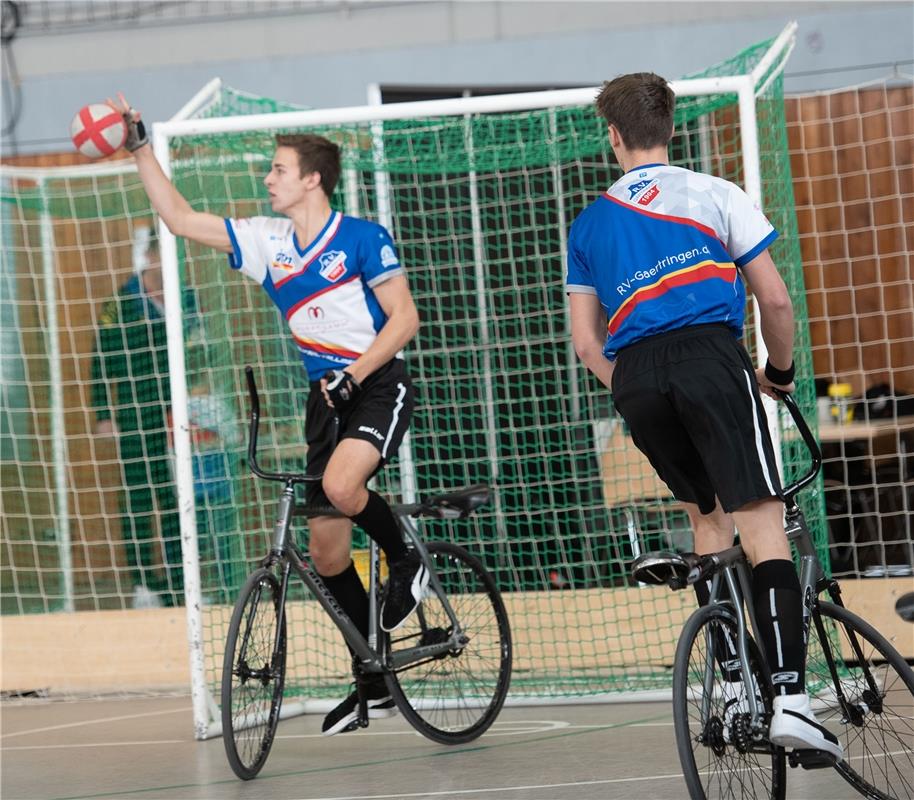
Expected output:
(875, 720)
(454, 697)
(253, 673)
(721, 755)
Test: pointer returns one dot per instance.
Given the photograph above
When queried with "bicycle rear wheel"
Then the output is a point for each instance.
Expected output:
(720, 755)
(455, 697)
(253, 673)
(875, 724)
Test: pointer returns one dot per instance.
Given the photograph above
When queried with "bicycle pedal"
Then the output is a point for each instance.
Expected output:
(811, 759)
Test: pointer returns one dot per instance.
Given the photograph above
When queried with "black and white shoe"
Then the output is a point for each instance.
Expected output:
(794, 725)
(345, 717)
(405, 589)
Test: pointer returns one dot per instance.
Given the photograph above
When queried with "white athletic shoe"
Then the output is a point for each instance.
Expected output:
(794, 725)
(144, 597)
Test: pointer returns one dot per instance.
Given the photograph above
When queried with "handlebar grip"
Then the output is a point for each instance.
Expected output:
(252, 389)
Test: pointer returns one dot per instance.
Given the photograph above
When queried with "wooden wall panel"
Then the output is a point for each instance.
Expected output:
(852, 157)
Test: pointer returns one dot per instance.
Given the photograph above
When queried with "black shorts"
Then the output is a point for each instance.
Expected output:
(380, 415)
(692, 403)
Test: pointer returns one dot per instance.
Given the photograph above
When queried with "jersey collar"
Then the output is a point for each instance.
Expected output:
(302, 251)
(645, 166)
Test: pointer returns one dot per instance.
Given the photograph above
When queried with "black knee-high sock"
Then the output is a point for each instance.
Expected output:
(349, 592)
(778, 602)
(379, 522)
(726, 648)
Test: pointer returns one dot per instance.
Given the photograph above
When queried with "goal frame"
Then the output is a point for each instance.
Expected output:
(746, 87)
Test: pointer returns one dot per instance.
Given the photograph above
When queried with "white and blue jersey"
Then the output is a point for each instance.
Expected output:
(324, 289)
(661, 250)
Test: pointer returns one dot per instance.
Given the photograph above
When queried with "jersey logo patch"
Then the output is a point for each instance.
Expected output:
(333, 265)
(388, 256)
(649, 195)
(634, 188)
(282, 261)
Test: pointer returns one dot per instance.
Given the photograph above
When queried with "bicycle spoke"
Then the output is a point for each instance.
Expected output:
(721, 757)
(875, 729)
(456, 695)
(253, 675)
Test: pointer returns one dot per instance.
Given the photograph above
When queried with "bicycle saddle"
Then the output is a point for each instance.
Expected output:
(666, 568)
(460, 503)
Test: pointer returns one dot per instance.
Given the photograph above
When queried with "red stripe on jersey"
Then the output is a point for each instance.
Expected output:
(666, 217)
(320, 348)
(706, 270)
(326, 289)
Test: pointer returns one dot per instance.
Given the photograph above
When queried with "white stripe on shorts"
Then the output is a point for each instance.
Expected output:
(758, 434)
(395, 419)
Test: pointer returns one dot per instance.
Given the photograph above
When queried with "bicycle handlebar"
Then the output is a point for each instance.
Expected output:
(809, 440)
(288, 477)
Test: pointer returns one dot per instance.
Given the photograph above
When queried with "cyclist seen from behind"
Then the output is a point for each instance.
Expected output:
(655, 278)
(339, 284)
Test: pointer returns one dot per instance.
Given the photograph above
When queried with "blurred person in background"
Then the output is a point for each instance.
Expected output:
(131, 397)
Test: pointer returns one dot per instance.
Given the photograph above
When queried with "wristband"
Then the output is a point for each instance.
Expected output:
(136, 132)
(780, 377)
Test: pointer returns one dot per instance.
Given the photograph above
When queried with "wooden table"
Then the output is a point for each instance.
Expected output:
(865, 431)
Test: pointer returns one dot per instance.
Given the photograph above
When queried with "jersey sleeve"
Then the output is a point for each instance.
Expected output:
(578, 279)
(749, 231)
(247, 254)
(380, 261)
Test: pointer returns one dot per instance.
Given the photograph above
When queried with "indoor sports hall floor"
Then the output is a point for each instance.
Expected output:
(144, 749)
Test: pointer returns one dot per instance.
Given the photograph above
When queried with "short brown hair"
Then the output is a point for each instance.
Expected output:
(315, 154)
(640, 105)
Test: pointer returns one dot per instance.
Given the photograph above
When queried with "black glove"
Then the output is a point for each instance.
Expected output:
(136, 131)
(342, 389)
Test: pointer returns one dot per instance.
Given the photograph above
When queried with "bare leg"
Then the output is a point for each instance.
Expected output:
(713, 532)
(761, 530)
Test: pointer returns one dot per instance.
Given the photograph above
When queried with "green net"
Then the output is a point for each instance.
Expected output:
(479, 207)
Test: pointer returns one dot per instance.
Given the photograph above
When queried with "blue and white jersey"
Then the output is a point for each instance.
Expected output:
(324, 289)
(660, 249)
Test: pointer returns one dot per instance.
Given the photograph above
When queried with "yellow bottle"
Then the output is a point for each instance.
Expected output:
(842, 412)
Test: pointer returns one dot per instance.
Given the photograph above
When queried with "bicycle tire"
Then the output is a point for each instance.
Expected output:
(878, 739)
(252, 679)
(707, 750)
(454, 698)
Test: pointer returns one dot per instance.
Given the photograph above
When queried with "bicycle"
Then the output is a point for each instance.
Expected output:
(448, 669)
(860, 686)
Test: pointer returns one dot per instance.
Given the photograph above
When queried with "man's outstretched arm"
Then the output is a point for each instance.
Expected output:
(169, 204)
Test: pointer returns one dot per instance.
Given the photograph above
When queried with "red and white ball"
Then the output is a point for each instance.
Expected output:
(98, 130)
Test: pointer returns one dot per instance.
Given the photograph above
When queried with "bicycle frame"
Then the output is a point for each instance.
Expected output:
(372, 654)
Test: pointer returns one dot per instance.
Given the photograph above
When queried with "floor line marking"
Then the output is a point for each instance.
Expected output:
(97, 722)
(449, 753)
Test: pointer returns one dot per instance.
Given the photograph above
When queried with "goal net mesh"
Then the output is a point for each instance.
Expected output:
(479, 206)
